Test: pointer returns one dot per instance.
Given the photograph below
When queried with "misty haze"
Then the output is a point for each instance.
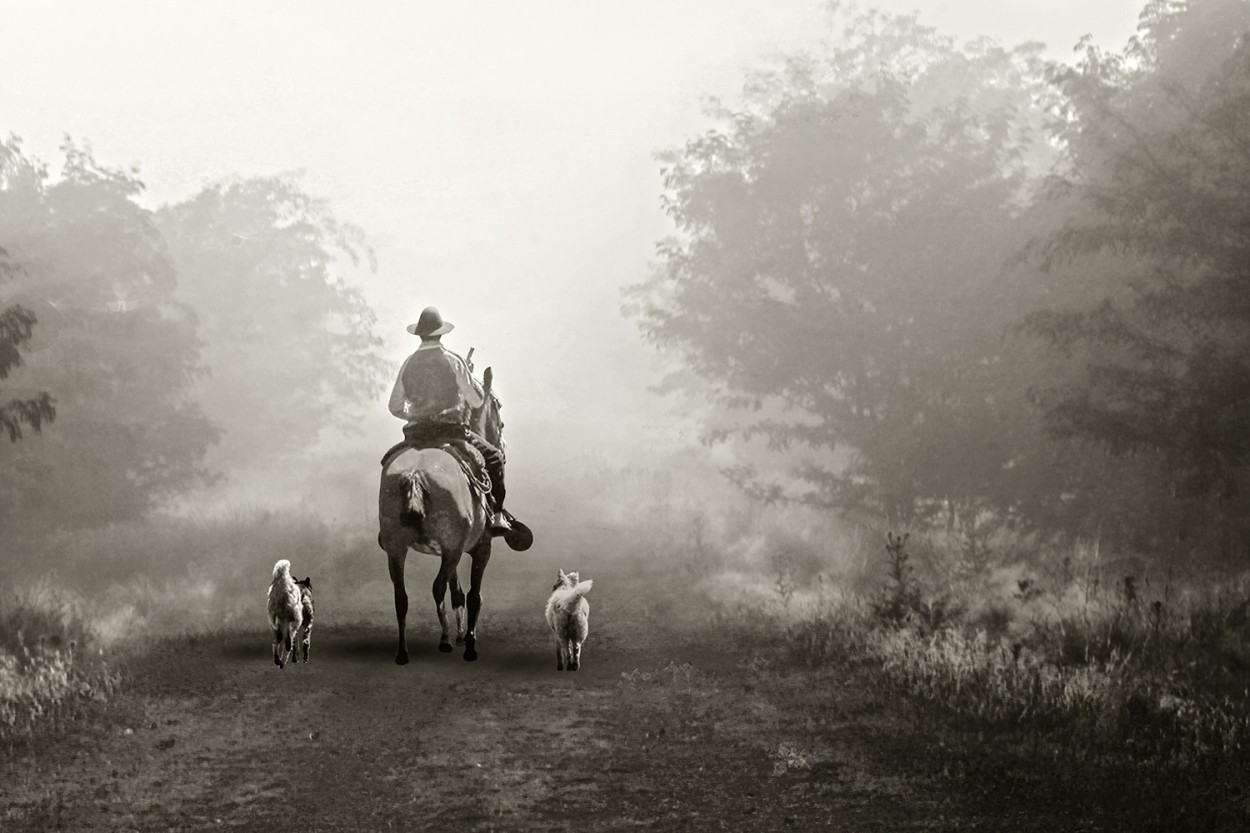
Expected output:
(555, 416)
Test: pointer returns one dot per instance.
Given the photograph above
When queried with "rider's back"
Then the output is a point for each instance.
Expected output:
(429, 378)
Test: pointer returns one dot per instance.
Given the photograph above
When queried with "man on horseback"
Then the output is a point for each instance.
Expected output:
(436, 394)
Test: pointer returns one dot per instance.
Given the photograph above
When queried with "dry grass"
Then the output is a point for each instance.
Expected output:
(127, 586)
(51, 668)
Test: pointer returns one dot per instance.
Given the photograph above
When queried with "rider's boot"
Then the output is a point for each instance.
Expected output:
(499, 524)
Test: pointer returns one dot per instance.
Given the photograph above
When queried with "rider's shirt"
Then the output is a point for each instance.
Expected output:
(434, 385)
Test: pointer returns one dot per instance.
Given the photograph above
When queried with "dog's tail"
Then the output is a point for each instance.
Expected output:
(282, 567)
(414, 503)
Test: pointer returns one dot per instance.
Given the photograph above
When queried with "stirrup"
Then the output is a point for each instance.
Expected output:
(499, 524)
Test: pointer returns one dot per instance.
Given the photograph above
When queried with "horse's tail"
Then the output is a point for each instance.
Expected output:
(415, 494)
(282, 566)
(582, 587)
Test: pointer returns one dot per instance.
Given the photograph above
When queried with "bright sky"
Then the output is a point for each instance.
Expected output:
(498, 154)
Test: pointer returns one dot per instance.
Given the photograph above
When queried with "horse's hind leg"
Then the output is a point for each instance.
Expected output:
(446, 575)
(306, 643)
(457, 606)
(481, 556)
(395, 558)
(277, 648)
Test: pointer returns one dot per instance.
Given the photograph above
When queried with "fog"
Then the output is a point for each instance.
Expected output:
(499, 158)
(885, 365)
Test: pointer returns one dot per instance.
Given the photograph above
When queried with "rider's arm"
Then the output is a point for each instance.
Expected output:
(399, 398)
(469, 389)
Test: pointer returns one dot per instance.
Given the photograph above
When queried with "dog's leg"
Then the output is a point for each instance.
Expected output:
(307, 643)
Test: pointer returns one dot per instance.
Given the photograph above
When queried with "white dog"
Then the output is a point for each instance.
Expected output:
(568, 614)
(290, 612)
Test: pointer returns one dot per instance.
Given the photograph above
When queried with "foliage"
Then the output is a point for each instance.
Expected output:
(1156, 189)
(16, 326)
(127, 434)
(47, 674)
(288, 338)
(175, 576)
(837, 277)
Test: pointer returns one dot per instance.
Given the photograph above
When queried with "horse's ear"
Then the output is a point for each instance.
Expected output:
(560, 574)
(487, 375)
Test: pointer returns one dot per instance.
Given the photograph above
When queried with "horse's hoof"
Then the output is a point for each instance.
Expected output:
(401, 659)
(470, 656)
(460, 640)
(445, 647)
(573, 667)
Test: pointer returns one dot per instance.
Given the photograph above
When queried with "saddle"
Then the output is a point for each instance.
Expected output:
(454, 441)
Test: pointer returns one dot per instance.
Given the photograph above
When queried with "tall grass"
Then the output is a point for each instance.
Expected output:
(126, 585)
(1114, 655)
(50, 663)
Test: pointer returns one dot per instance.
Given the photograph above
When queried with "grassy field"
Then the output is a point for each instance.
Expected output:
(1022, 669)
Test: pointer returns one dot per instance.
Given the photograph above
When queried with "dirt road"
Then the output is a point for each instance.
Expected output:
(657, 731)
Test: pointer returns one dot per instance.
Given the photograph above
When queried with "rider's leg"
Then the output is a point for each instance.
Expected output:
(499, 520)
(499, 524)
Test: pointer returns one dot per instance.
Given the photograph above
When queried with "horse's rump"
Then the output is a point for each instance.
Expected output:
(433, 493)
(464, 450)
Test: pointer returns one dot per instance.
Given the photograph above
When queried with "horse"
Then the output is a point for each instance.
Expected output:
(427, 503)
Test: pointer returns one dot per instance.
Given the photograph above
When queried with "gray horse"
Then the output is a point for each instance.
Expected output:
(427, 503)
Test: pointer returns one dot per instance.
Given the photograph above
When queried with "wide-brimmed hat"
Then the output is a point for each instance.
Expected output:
(430, 323)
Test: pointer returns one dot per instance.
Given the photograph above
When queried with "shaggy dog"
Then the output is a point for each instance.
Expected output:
(568, 614)
(290, 612)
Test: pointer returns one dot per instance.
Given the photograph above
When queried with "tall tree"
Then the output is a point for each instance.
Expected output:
(837, 273)
(289, 337)
(1157, 250)
(127, 435)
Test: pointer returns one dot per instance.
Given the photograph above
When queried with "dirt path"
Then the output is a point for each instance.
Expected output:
(654, 733)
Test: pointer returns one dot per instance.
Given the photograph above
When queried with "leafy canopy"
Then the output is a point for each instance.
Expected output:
(836, 276)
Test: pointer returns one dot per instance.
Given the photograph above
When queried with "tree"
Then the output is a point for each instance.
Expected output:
(837, 273)
(1157, 184)
(289, 340)
(17, 324)
(127, 435)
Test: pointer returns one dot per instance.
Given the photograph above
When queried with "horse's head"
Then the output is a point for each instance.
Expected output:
(486, 419)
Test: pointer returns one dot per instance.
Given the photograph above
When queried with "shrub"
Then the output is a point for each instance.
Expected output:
(49, 671)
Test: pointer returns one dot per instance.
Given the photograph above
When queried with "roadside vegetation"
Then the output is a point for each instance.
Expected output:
(51, 667)
(1013, 662)
(1047, 667)
(1109, 681)
(65, 634)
